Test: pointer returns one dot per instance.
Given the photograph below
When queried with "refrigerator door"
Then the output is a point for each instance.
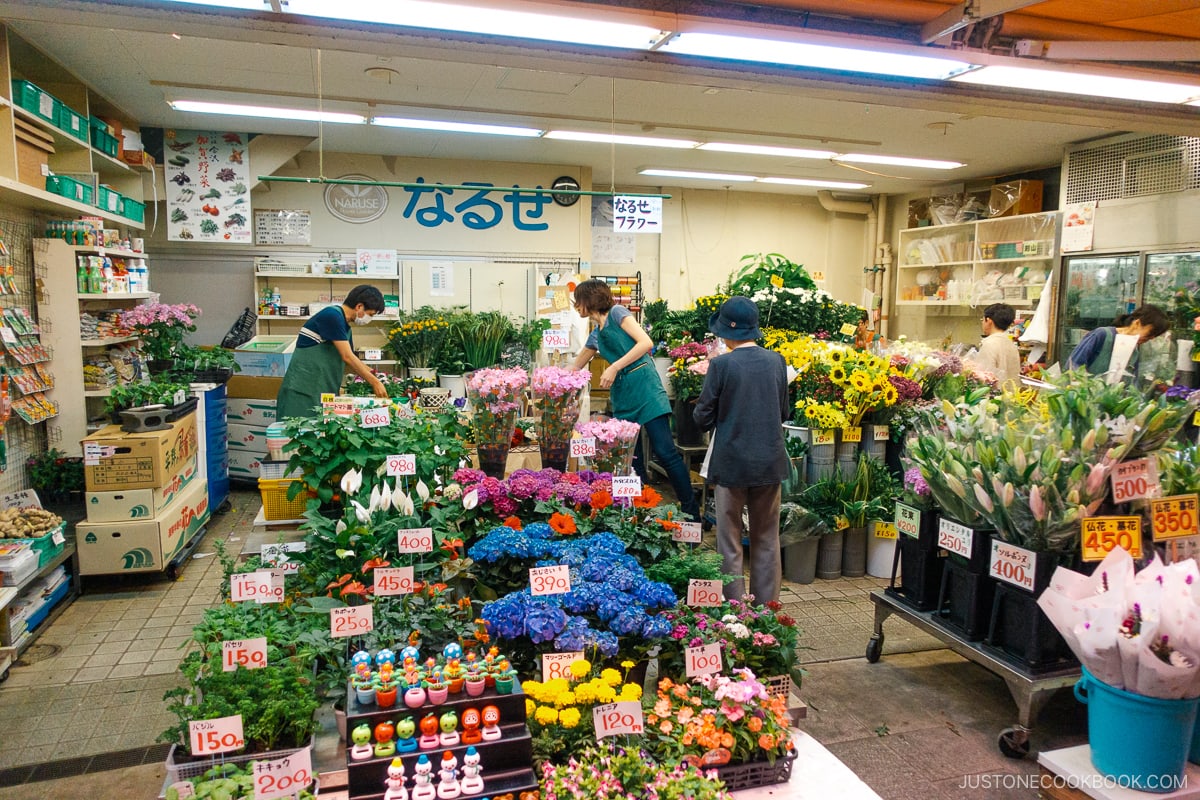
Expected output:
(1167, 274)
(1095, 290)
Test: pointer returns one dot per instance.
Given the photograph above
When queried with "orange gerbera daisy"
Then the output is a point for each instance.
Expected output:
(512, 522)
(669, 524)
(647, 499)
(601, 500)
(561, 523)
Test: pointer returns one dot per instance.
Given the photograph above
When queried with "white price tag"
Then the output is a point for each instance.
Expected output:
(184, 789)
(704, 660)
(7, 334)
(374, 418)
(277, 556)
(626, 486)
(556, 339)
(372, 355)
(251, 586)
(402, 465)
(955, 537)
(882, 434)
(57, 537)
(220, 735)
(93, 452)
(614, 719)
(1013, 564)
(244, 653)
(583, 447)
(274, 590)
(351, 621)
(688, 532)
(704, 593)
(908, 520)
(550, 580)
(405, 411)
(1134, 480)
(414, 540)
(393, 581)
(558, 665)
(179, 397)
(283, 777)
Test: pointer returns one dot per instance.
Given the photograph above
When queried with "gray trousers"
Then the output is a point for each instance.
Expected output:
(766, 570)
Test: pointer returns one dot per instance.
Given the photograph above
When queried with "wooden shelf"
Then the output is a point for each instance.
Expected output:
(24, 196)
(106, 342)
(312, 276)
(102, 162)
(108, 251)
(113, 296)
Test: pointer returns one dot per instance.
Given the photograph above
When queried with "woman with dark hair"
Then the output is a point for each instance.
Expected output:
(635, 390)
(324, 348)
(1094, 352)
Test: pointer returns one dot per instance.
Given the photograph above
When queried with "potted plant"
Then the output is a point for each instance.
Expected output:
(417, 340)
(436, 690)
(204, 365)
(136, 395)
(58, 480)
(689, 365)
(482, 337)
(863, 499)
(161, 328)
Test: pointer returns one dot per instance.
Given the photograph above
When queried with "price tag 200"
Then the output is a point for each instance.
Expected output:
(558, 665)
(1101, 534)
(351, 621)
(702, 593)
(278, 556)
(704, 660)
(583, 447)
(393, 581)
(221, 735)
(244, 653)
(251, 586)
(908, 520)
(1133, 480)
(1013, 564)
(283, 777)
(414, 540)
(626, 486)
(1174, 517)
(401, 465)
(614, 719)
(550, 580)
(374, 417)
(688, 532)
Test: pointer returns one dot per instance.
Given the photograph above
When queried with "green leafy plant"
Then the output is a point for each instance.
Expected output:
(54, 474)
(678, 568)
(482, 337)
(134, 395)
(759, 271)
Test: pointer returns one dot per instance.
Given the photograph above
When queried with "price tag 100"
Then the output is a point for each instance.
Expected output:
(374, 417)
(704, 660)
(550, 580)
(558, 665)
(702, 593)
(244, 653)
(955, 537)
(689, 532)
(614, 719)
(251, 586)
(626, 486)
(220, 735)
(393, 581)
(1174, 517)
(556, 339)
(1101, 534)
(400, 465)
(351, 621)
(1133, 480)
(283, 777)
(414, 540)
(1013, 564)
(583, 447)
(908, 520)
(850, 435)
(822, 436)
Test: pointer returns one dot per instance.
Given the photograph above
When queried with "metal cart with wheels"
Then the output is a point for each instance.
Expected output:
(1030, 691)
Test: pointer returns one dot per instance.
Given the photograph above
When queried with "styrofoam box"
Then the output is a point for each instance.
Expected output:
(247, 411)
(247, 437)
(17, 563)
(245, 465)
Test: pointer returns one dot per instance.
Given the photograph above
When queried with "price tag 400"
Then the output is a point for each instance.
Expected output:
(351, 621)
(1013, 564)
(414, 540)
(703, 593)
(283, 777)
(614, 719)
(211, 736)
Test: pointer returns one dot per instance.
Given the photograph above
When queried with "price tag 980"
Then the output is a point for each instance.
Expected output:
(704, 660)
(401, 465)
(556, 339)
(614, 719)
(688, 532)
(1174, 517)
(244, 653)
(374, 417)
(1101, 534)
(414, 540)
(393, 581)
(212, 736)
(351, 621)
(703, 593)
(583, 447)
(283, 777)
(558, 665)
(550, 580)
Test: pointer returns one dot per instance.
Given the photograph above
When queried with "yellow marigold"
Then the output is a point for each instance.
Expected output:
(584, 694)
(627, 664)
(631, 691)
(611, 677)
(605, 693)
(581, 667)
(569, 717)
(556, 686)
(530, 706)
(532, 688)
(545, 715)
(565, 699)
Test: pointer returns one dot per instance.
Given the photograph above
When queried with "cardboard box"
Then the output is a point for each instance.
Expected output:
(140, 503)
(34, 148)
(245, 465)
(252, 387)
(114, 460)
(137, 158)
(267, 356)
(247, 437)
(250, 411)
(145, 545)
(1016, 197)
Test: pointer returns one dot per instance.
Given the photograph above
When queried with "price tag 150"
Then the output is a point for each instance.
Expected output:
(688, 532)
(251, 586)
(1133, 480)
(705, 660)
(351, 621)
(885, 530)
(414, 540)
(400, 465)
(908, 520)
(556, 339)
(220, 735)
(626, 486)
(955, 537)
(550, 580)
(558, 665)
(1174, 517)
(374, 417)
(1099, 535)
(283, 777)
(393, 581)
(244, 653)
(1013, 564)
(614, 719)
(583, 447)
(704, 593)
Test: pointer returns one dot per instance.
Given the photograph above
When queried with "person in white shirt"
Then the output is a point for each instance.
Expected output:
(998, 352)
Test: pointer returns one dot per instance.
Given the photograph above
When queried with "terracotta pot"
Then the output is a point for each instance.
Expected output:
(386, 698)
(455, 685)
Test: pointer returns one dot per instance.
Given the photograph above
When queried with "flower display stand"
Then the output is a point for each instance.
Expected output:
(507, 762)
(1019, 630)
(965, 601)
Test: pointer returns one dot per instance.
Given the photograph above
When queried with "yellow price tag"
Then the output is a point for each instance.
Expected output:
(849, 329)
(560, 300)
(1174, 517)
(851, 435)
(822, 436)
(1196, 419)
(1099, 535)
(886, 530)
(841, 523)
(327, 397)
(777, 281)
(818, 275)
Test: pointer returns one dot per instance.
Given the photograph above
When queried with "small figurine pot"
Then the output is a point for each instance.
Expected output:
(414, 697)
(476, 687)
(504, 683)
(365, 695)
(437, 694)
(455, 685)
(386, 698)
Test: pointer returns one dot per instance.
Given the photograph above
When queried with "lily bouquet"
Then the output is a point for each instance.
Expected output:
(615, 440)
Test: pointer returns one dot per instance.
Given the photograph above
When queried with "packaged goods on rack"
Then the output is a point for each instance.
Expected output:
(35, 408)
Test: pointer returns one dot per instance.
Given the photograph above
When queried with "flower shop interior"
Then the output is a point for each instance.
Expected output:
(465, 577)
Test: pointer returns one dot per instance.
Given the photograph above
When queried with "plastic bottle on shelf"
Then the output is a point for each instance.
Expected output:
(95, 278)
(81, 275)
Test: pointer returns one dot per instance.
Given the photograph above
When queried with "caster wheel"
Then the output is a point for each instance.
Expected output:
(173, 572)
(3, 676)
(1014, 742)
(225, 507)
(874, 649)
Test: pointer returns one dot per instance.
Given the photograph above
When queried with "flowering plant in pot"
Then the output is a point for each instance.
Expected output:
(607, 771)
(161, 326)
(615, 440)
(416, 340)
(557, 393)
(688, 367)
(56, 476)
(495, 396)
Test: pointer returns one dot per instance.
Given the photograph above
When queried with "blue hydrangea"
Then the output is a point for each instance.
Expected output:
(656, 627)
(544, 621)
(632, 619)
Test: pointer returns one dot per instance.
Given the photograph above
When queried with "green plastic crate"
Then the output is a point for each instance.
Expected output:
(102, 140)
(69, 188)
(108, 200)
(72, 122)
(132, 209)
(35, 101)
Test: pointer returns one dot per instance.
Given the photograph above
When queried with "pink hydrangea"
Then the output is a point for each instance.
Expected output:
(556, 381)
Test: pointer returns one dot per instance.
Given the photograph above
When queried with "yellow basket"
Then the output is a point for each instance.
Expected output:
(275, 499)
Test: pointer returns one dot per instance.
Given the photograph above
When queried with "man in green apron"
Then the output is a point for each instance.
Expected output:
(324, 348)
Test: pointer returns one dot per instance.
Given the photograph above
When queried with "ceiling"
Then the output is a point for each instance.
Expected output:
(141, 54)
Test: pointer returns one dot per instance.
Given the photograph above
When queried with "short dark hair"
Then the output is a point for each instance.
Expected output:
(1152, 316)
(866, 316)
(1001, 315)
(370, 297)
(594, 295)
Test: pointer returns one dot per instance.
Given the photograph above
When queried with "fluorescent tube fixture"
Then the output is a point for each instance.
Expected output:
(818, 184)
(1089, 84)
(697, 176)
(607, 138)
(766, 150)
(817, 56)
(898, 161)
(454, 127)
(270, 112)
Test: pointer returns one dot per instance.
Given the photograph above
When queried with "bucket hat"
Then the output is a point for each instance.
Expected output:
(737, 319)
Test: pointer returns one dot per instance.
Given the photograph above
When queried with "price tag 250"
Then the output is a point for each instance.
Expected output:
(244, 653)
(704, 593)
(351, 621)
(414, 540)
(704, 660)
(401, 465)
(283, 777)
(211, 736)
(550, 580)
(614, 719)
(374, 417)
(1101, 534)
(558, 665)
(583, 447)
(688, 532)
(626, 486)
(393, 581)
(955, 537)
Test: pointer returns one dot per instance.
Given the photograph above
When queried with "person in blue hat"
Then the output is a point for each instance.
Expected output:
(744, 402)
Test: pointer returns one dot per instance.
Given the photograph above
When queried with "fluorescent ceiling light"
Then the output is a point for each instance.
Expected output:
(606, 138)
(817, 56)
(235, 110)
(454, 127)
(697, 176)
(766, 150)
(816, 183)
(1090, 84)
(247, 5)
(898, 161)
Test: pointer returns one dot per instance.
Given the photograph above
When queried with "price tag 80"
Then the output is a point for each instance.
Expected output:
(550, 580)
(822, 436)
(704, 660)
(374, 417)
(244, 653)
(351, 621)
(703, 593)
(414, 540)
(1101, 534)
(401, 465)
(583, 447)
(614, 719)
(558, 665)
(211, 736)
(283, 777)
(393, 581)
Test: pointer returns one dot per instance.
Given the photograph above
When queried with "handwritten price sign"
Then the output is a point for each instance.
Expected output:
(1101, 534)
(283, 777)
(558, 665)
(1013, 564)
(626, 486)
(822, 436)
(955, 538)
(393, 581)
(703, 593)
(274, 593)
(583, 447)
(550, 580)
(244, 653)
(414, 540)
(405, 411)
(401, 465)
(614, 719)
(851, 435)
(882, 434)
(253, 586)
(351, 621)
(556, 339)
(689, 532)
(220, 735)
(374, 417)
(278, 556)
(1174, 517)
(908, 520)
(1133, 480)
(885, 530)
(705, 660)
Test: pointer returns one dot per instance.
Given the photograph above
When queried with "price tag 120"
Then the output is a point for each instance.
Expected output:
(705, 660)
(1174, 517)
(626, 486)
(393, 581)
(351, 621)
(1133, 480)
(558, 665)
(401, 465)
(251, 586)
(583, 447)
(550, 580)
(688, 532)
(374, 417)
(220, 735)
(283, 777)
(1013, 564)
(703, 593)
(614, 719)
(1101, 534)
(414, 540)
(244, 653)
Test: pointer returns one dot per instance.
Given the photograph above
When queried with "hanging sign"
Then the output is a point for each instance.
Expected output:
(637, 214)
(208, 187)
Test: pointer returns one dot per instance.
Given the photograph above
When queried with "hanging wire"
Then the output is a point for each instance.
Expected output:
(612, 140)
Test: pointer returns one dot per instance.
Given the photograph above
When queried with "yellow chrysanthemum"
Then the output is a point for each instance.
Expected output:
(581, 667)
(569, 717)
(545, 715)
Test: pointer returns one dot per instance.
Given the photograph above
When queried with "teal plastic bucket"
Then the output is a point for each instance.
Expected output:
(1195, 754)
(1140, 742)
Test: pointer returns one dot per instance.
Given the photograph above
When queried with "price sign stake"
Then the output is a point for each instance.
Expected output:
(614, 719)
(703, 593)
(401, 465)
(414, 540)
(704, 660)
(374, 417)
(283, 777)
(583, 447)
(626, 486)
(1013, 564)
(1101, 534)
(558, 665)
(244, 653)
(550, 580)
(211, 736)
(393, 581)
(689, 532)
(1174, 517)
(351, 621)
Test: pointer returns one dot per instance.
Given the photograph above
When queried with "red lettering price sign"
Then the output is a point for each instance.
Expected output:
(626, 486)
(220, 735)
(705, 660)
(274, 591)
(244, 653)
(556, 339)
(393, 581)
(583, 447)
(1013, 564)
(704, 593)
(374, 417)
(351, 621)
(908, 520)
(882, 434)
(401, 465)
(614, 719)
(405, 411)
(885, 530)
(955, 537)
(414, 540)
(253, 586)
(1174, 517)
(822, 436)
(278, 556)
(1133, 480)
(1101, 534)
(283, 777)
(689, 532)
(372, 355)
(558, 665)
(550, 580)
(850, 435)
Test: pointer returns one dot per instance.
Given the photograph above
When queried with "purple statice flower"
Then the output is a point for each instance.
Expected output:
(906, 389)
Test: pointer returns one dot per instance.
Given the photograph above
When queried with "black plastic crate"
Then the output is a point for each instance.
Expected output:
(920, 577)
(1020, 632)
(965, 601)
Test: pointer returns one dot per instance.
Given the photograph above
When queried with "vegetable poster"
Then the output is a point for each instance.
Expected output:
(208, 186)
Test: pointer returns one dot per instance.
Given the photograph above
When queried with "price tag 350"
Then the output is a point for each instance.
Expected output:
(1174, 517)
(1133, 480)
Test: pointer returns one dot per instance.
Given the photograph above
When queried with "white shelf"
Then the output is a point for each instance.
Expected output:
(261, 521)
(97, 392)
(108, 251)
(938, 264)
(326, 277)
(107, 342)
(289, 318)
(1014, 258)
(118, 296)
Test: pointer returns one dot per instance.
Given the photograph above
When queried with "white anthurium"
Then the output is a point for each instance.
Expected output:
(352, 481)
(470, 499)
(422, 491)
(364, 516)
(385, 496)
(373, 505)
(340, 527)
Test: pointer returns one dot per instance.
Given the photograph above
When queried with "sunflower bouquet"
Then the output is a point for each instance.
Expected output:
(865, 382)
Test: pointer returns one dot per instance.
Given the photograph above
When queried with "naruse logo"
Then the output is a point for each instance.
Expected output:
(137, 558)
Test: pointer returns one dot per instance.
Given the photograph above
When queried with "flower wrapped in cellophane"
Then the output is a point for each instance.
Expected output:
(557, 393)
(615, 441)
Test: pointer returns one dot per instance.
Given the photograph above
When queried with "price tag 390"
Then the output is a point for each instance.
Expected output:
(1101, 534)
(614, 719)
(703, 593)
(414, 540)
(626, 486)
(283, 777)
(558, 665)
(689, 532)
(1174, 517)
(704, 660)
(221, 735)
(374, 417)
(1133, 480)
(244, 653)
(583, 447)
(351, 621)
(550, 580)
(401, 465)
(393, 581)
(1013, 564)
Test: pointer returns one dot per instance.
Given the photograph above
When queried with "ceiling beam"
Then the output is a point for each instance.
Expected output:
(967, 13)
(1110, 51)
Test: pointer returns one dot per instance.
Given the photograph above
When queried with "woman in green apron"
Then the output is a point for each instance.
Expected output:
(635, 390)
(324, 348)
